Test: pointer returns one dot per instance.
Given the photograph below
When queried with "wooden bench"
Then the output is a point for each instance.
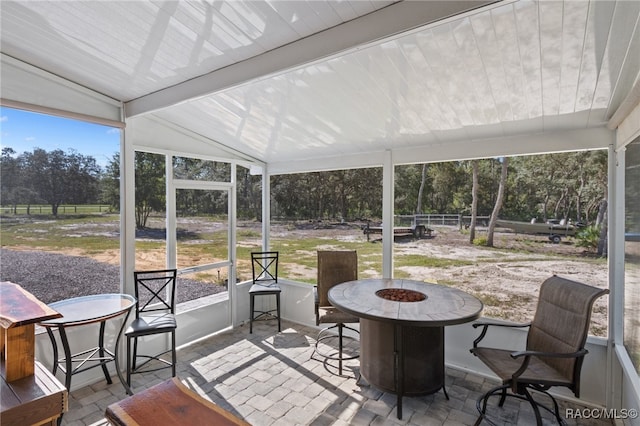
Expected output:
(169, 403)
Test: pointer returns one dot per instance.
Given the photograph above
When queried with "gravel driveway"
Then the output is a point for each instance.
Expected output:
(51, 276)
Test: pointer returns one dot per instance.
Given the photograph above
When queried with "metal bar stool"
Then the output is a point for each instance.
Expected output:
(264, 266)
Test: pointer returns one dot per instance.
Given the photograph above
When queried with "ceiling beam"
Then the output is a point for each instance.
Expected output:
(546, 142)
(394, 19)
(506, 146)
(150, 132)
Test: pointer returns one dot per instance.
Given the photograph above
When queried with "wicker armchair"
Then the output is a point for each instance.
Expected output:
(555, 347)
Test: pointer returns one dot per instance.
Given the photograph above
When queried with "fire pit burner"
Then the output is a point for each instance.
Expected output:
(401, 295)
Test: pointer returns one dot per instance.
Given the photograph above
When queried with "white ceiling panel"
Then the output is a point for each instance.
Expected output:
(127, 49)
(293, 82)
(524, 67)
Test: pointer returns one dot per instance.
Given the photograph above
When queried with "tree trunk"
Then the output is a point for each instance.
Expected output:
(474, 201)
(604, 230)
(602, 208)
(545, 207)
(499, 201)
(579, 193)
(421, 190)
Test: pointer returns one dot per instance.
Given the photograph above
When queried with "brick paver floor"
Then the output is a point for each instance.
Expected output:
(269, 378)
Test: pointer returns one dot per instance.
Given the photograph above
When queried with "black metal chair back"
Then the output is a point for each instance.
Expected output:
(155, 291)
(264, 266)
(155, 314)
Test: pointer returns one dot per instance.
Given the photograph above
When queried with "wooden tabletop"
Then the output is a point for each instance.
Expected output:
(169, 403)
(442, 306)
(18, 307)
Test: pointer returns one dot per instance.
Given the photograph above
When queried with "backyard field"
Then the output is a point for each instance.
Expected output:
(58, 259)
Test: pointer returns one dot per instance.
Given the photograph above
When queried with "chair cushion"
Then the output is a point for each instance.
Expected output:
(152, 324)
(502, 364)
(329, 314)
(265, 288)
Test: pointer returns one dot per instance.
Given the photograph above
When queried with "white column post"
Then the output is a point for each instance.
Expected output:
(266, 208)
(170, 219)
(615, 256)
(233, 222)
(387, 214)
(127, 212)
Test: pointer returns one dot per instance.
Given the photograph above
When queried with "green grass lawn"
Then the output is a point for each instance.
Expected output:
(92, 233)
(204, 241)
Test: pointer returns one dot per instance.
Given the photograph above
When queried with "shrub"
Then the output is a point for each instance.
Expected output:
(588, 237)
(480, 241)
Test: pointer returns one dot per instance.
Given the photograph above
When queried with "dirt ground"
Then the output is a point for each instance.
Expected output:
(506, 278)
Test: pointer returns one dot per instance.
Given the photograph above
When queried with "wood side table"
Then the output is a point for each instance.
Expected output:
(30, 394)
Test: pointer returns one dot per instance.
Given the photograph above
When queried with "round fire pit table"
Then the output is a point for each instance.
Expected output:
(402, 330)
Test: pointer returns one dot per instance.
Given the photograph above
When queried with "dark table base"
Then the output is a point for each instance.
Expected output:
(404, 360)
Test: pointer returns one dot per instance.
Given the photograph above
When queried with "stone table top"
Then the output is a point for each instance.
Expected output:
(443, 305)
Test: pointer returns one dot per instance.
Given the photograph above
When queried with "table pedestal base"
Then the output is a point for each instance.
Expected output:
(404, 360)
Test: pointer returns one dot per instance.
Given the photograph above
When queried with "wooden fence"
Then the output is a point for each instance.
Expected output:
(63, 209)
(437, 219)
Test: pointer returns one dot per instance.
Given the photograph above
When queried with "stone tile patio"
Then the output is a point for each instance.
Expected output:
(269, 378)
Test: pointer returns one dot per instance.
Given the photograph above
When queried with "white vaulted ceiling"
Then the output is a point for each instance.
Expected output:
(304, 85)
(128, 49)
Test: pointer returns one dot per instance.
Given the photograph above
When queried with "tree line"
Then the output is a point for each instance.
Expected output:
(553, 186)
(48, 177)
(560, 186)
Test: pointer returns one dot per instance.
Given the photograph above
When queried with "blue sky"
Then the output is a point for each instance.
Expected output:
(24, 131)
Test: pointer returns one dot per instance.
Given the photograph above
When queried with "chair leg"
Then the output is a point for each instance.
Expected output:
(319, 339)
(340, 349)
(264, 314)
(278, 309)
(173, 354)
(557, 410)
(135, 353)
(478, 420)
(524, 395)
(503, 397)
(251, 302)
(129, 362)
(534, 405)
(481, 403)
(329, 356)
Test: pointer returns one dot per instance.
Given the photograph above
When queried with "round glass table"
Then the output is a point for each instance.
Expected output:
(78, 311)
(402, 329)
